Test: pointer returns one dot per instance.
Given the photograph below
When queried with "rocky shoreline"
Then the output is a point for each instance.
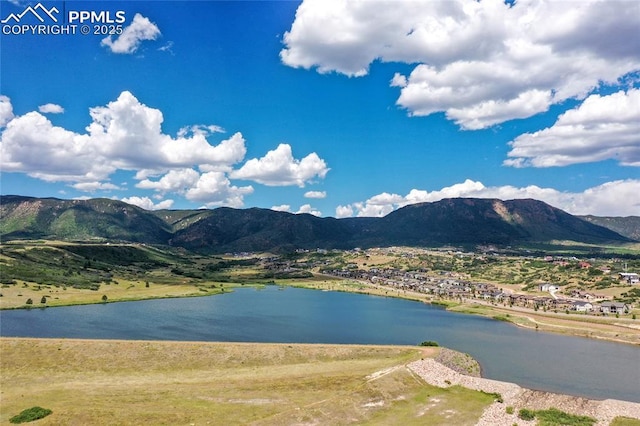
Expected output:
(512, 395)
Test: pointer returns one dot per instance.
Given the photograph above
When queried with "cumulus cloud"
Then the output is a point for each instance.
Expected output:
(282, 208)
(124, 134)
(179, 180)
(306, 208)
(6, 110)
(279, 168)
(617, 198)
(481, 63)
(127, 135)
(130, 132)
(147, 204)
(33, 145)
(132, 36)
(601, 128)
(214, 189)
(344, 211)
(315, 194)
(51, 109)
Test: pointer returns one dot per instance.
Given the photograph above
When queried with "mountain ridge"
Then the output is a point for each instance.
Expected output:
(457, 221)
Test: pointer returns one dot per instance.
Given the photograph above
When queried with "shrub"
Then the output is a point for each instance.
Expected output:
(29, 301)
(509, 410)
(429, 343)
(553, 416)
(496, 396)
(526, 414)
(30, 415)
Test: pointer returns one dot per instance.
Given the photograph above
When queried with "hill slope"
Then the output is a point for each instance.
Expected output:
(487, 221)
(103, 219)
(460, 221)
(626, 226)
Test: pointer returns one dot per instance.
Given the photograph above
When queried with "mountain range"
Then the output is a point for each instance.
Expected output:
(455, 221)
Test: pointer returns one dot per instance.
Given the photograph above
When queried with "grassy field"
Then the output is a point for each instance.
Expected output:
(125, 382)
(16, 296)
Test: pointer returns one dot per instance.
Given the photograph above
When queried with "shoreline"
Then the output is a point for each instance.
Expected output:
(517, 397)
(546, 322)
(553, 323)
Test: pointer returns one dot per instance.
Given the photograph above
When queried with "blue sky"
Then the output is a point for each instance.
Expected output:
(331, 108)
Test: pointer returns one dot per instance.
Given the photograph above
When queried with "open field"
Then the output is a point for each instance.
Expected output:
(92, 382)
(16, 296)
(118, 382)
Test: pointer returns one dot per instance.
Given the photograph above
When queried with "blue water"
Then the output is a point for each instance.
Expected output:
(537, 360)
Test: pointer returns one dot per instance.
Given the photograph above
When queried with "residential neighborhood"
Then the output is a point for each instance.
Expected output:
(455, 285)
(451, 288)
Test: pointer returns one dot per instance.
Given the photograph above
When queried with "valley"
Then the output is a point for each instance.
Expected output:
(509, 287)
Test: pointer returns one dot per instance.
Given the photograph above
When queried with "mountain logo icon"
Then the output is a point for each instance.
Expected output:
(38, 11)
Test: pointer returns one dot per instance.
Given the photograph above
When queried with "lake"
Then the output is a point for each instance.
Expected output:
(537, 360)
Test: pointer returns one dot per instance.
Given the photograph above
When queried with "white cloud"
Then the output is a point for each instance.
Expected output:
(602, 128)
(95, 186)
(147, 204)
(282, 208)
(167, 48)
(132, 36)
(306, 208)
(367, 209)
(344, 211)
(214, 189)
(315, 194)
(481, 63)
(33, 145)
(603, 200)
(51, 109)
(124, 134)
(6, 110)
(130, 132)
(127, 135)
(179, 180)
(279, 168)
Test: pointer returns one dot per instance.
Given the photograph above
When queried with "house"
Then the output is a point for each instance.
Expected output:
(630, 277)
(563, 304)
(580, 306)
(614, 308)
(548, 287)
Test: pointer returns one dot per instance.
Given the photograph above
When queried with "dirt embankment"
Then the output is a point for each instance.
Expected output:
(435, 373)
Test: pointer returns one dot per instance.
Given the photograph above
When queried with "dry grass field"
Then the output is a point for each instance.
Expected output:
(181, 383)
(16, 296)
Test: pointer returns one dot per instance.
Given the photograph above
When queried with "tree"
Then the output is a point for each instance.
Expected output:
(29, 301)
(104, 298)
(44, 299)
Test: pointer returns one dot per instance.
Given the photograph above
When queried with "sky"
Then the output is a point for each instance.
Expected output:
(333, 108)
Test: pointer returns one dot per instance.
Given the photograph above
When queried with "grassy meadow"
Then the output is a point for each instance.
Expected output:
(131, 382)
